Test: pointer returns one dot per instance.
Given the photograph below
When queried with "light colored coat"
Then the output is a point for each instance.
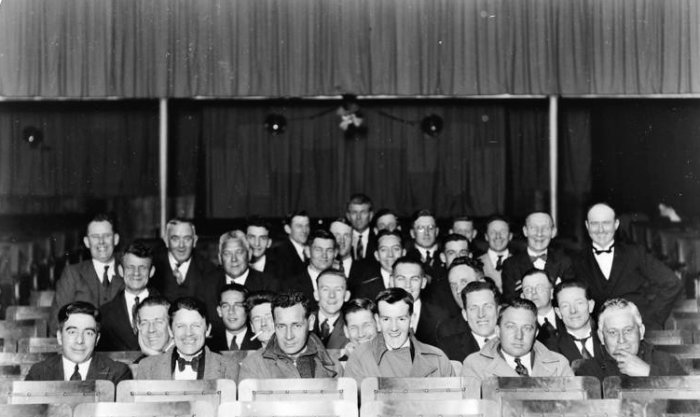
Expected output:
(215, 366)
(488, 362)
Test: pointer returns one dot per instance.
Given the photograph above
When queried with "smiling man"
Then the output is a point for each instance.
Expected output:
(360, 326)
(498, 236)
(395, 352)
(154, 332)
(516, 352)
(294, 351)
(79, 332)
(614, 269)
(236, 333)
(323, 250)
(189, 359)
(331, 293)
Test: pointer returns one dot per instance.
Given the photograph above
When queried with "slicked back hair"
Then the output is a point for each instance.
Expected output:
(616, 304)
(290, 299)
(296, 213)
(139, 250)
(572, 283)
(153, 300)
(234, 287)
(358, 304)
(393, 296)
(359, 198)
(517, 303)
(410, 260)
(473, 263)
(79, 307)
(102, 217)
(256, 298)
(188, 303)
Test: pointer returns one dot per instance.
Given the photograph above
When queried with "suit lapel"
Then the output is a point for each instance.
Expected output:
(618, 265)
(92, 281)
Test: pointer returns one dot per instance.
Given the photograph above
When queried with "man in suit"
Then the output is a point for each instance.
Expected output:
(454, 246)
(409, 275)
(614, 269)
(498, 236)
(516, 352)
(385, 219)
(180, 271)
(578, 339)
(330, 294)
(119, 325)
(359, 212)
(258, 234)
(235, 334)
(154, 332)
(538, 288)
(424, 232)
(95, 281)
(234, 255)
(539, 230)
(323, 250)
(294, 351)
(464, 226)
(189, 359)
(462, 272)
(389, 249)
(78, 333)
(621, 331)
(478, 321)
(352, 268)
(290, 256)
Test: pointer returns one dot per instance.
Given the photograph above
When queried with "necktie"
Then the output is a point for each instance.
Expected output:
(359, 249)
(599, 251)
(133, 313)
(499, 263)
(182, 362)
(325, 330)
(105, 278)
(76, 374)
(233, 345)
(341, 268)
(428, 258)
(520, 369)
(542, 256)
(178, 275)
(585, 354)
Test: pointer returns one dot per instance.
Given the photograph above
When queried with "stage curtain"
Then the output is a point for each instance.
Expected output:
(281, 48)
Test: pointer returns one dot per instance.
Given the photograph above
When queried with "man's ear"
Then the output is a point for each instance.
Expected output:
(316, 295)
(591, 305)
(424, 282)
(151, 272)
(269, 243)
(312, 320)
(412, 233)
(59, 337)
(554, 232)
(194, 241)
(208, 330)
(641, 332)
(97, 338)
(116, 239)
(525, 231)
(346, 333)
(287, 229)
(347, 296)
(219, 311)
(376, 255)
(86, 242)
(464, 314)
(557, 312)
(120, 270)
(443, 259)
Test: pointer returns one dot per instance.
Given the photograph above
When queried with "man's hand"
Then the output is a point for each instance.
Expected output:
(631, 364)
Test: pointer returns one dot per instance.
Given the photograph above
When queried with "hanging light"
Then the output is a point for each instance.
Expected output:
(431, 125)
(275, 124)
(32, 136)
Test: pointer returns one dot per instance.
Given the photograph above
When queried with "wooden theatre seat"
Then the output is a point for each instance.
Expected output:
(444, 388)
(298, 389)
(156, 409)
(213, 391)
(64, 392)
(38, 345)
(653, 387)
(571, 408)
(35, 410)
(664, 408)
(429, 408)
(541, 388)
(27, 313)
(324, 408)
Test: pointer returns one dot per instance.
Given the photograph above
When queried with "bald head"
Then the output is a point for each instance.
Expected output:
(601, 223)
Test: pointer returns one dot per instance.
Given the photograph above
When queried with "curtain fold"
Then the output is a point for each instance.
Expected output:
(277, 48)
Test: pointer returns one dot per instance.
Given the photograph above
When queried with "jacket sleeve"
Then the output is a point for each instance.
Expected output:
(121, 372)
(469, 368)
(667, 286)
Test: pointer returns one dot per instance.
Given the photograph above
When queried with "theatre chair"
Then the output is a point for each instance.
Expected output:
(663, 408)
(213, 391)
(124, 356)
(35, 410)
(681, 351)
(541, 388)
(159, 409)
(12, 372)
(445, 408)
(668, 337)
(27, 313)
(13, 330)
(653, 387)
(680, 320)
(572, 408)
(325, 408)
(63, 392)
(14, 358)
(404, 389)
(41, 298)
(38, 345)
(298, 389)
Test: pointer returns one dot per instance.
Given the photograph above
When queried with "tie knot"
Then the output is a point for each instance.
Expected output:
(601, 251)
(182, 363)
(581, 340)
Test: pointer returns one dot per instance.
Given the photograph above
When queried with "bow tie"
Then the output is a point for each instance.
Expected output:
(542, 256)
(599, 251)
(194, 363)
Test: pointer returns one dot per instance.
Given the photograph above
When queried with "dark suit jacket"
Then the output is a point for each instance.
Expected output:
(166, 284)
(368, 285)
(80, 282)
(116, 332)
(101, 367)
(301, 282)
(336, 339)
(287, 260)
(564, 344)
(430, 316)
(546, 336)
(457, 345)
(558, 265)
(217, 342)
(635, 276)
(661, 364)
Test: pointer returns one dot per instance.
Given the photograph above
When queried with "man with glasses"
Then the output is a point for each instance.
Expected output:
(539, 230)
(424, 232)
(537, 287)
(621, 331)
(236, 334)
(323, 249)
(78, 333)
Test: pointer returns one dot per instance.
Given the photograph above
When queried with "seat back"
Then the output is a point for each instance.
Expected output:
(541, 388)
(14, 358)
(334, 408)
(42, 298)
(124, 356)
(35, 410)
(396, 389)
(156, 409)
(13, 330)
(649, 388)
(295, 389)
(27, 313)
(214, 391)
(64, 392)
(38, 345)
(681, 351)
(446, 408)
(669, 337)
(13, 372)
(572, 408)
(663, 408)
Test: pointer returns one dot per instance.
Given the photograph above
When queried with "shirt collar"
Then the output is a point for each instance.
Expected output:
(173, 262)
(532, 253)
(132, 297)
(241, 277)
(493, 255)
(69, 368)
(100, 268)
(607, 247)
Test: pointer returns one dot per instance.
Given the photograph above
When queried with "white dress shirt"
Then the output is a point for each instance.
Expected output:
(605, 260)
(69, 368)
(239, 279)
(100, 269)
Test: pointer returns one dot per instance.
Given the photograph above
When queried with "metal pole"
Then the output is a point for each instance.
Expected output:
(163, 161)
(553, 151)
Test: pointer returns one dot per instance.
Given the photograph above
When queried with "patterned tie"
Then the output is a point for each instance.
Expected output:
(134, 308)
(585, 354)
(177, 274)
(105, 278)
(520, 369)
(76, 374)
(325, 330)
(233, 345)
(359, 249)
(499, 263)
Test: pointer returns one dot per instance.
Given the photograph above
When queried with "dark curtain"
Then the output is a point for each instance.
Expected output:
(280, 48)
